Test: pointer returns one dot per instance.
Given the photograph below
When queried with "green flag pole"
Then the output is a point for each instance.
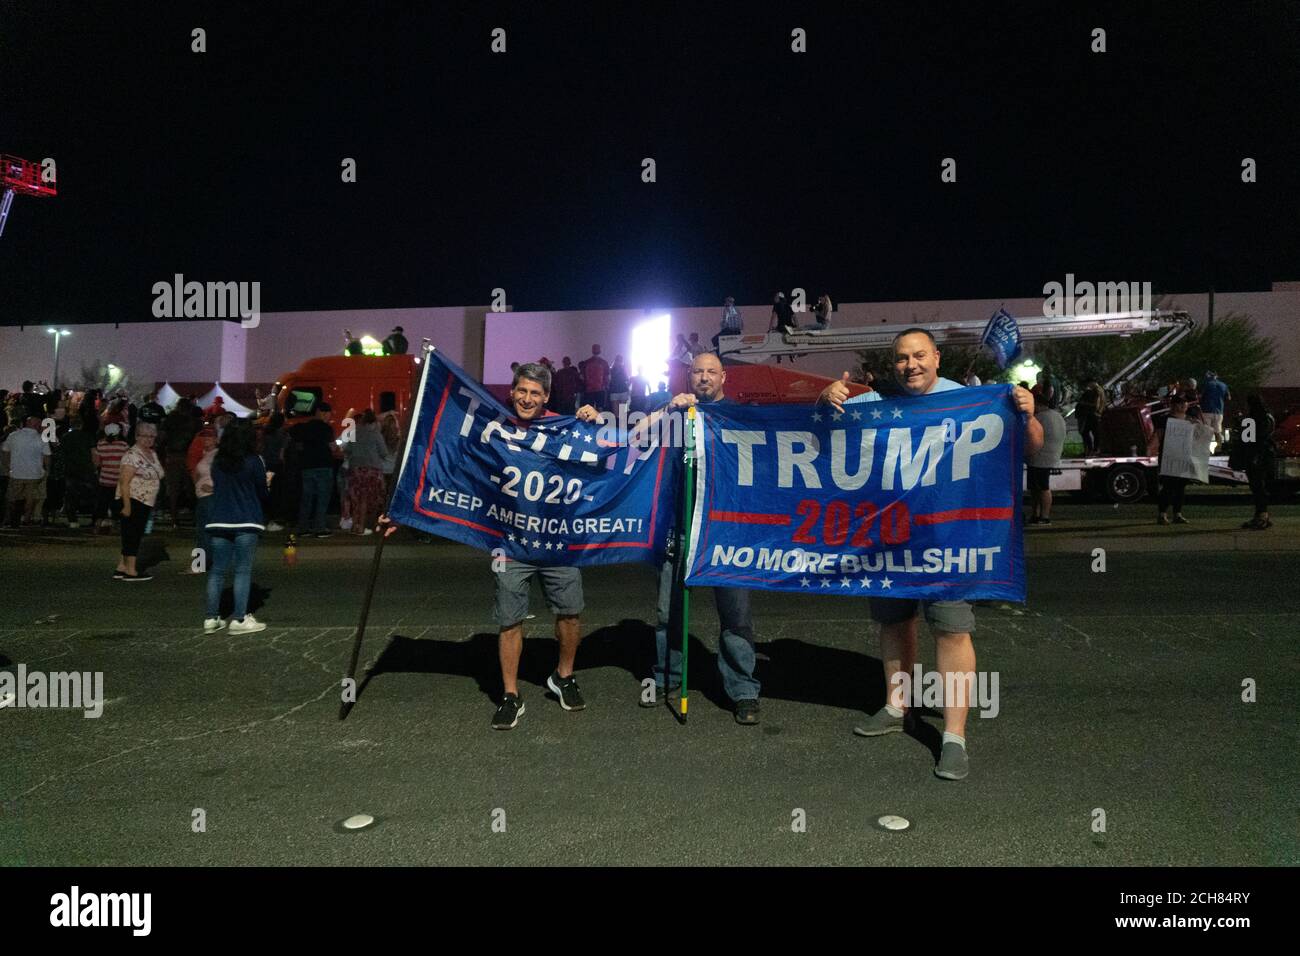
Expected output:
(688, 515)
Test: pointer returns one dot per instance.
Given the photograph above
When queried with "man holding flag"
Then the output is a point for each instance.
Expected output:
(916, 368)
(736, 653)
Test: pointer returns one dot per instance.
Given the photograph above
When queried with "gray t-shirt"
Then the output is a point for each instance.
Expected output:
(1049, 456)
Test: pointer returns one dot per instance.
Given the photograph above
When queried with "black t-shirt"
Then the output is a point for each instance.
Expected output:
(315, 437)
(618, 380)
(784, 314)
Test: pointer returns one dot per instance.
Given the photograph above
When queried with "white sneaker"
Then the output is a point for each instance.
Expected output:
(247, 626)
(368, 531)
(275, 526)
(345, 524)
(212, 625)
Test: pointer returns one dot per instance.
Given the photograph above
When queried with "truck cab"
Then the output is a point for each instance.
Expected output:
(380, 382)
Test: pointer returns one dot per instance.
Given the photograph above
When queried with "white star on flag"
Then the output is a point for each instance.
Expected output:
(825, 583)
(885, 582)
(866, 583)
(536, 543)
(587, 439)
(857, 416)
(511, 536)
(898, 413)
(844, 582)
(548, 546)
(817, 416)
(877, 413)
(803, 582)
(836, 416)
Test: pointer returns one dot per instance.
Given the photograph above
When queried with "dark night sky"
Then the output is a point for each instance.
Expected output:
(523, 170)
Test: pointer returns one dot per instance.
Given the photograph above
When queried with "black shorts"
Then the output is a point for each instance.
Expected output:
(1039, 478)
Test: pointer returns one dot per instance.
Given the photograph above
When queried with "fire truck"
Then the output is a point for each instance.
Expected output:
(1127, 464)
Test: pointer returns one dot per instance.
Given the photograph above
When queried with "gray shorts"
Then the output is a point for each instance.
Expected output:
(562, 587)
(952, 617)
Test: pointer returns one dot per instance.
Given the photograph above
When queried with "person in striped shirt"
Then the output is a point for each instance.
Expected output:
(108, 462)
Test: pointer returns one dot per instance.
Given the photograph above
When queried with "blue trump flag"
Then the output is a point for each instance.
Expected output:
(552, 491)
(912, 498)
(1002, 336)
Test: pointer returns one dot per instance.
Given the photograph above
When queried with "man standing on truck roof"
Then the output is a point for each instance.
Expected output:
(916, 368)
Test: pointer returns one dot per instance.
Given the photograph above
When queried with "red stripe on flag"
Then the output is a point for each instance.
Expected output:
(746, 517)
(965, 514)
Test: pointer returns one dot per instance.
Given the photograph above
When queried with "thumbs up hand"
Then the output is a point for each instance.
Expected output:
(835, 393)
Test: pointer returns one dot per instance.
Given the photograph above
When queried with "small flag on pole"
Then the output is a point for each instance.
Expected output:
(1002, 336)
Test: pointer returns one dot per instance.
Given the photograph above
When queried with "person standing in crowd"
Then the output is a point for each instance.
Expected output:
(79, 472)
(56, 476)
(636, 386)
(565, 386)
(150, 411)
(1087, 411)
(352, 345)
(137, 488)
(916, 371)
(391, 428)
(236, 520)
(108, 462)
(595, 380)
(1260, 461)
(201, 475)
(732, 323)
(366, 457)
(178, 431)
(620, 392)
(274, 440)
(1214, 398)
(782, 317)
(395, 342)
(1040, 464)
(343, 469)
(695, 346)
(314, 439)
(116, 414)
(25, 457)
(737, 656)
(33, 402)
(1172, 487)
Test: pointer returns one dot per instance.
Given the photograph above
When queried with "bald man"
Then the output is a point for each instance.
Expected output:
(736, 654)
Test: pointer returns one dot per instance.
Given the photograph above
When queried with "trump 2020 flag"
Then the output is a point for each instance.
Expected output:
(1002, 336)
(912, 498)
(554, 491)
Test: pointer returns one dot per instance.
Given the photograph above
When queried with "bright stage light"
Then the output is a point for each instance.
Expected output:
(649, 357)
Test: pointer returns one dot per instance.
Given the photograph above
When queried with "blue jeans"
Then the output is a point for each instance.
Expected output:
(239, 551)
(736, 654)
(317, 484)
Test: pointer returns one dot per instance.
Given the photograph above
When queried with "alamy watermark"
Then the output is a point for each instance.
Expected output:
(1095, 298)
(951, 689)
(59, 690)
(208, 300)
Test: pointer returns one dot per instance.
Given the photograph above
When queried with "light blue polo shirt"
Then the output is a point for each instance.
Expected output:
(940, 385)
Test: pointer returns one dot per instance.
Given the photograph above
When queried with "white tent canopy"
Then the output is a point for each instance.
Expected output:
(227, 402)
(167, 396)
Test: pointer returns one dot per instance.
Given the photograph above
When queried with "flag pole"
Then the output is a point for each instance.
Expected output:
(380, 537)
(688, 515)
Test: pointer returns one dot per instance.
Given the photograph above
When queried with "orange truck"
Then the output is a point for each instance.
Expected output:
(380, 382)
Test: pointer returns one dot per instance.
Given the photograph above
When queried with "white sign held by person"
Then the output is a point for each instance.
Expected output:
(1187, 450)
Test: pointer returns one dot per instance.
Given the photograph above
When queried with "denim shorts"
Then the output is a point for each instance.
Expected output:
(952, 617)
(562, 587)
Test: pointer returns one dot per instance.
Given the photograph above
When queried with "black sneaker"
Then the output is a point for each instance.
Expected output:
(747, 711)
(508, 713)
(323, 534)
(566, 688)
(118, 575)
(137, 577)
